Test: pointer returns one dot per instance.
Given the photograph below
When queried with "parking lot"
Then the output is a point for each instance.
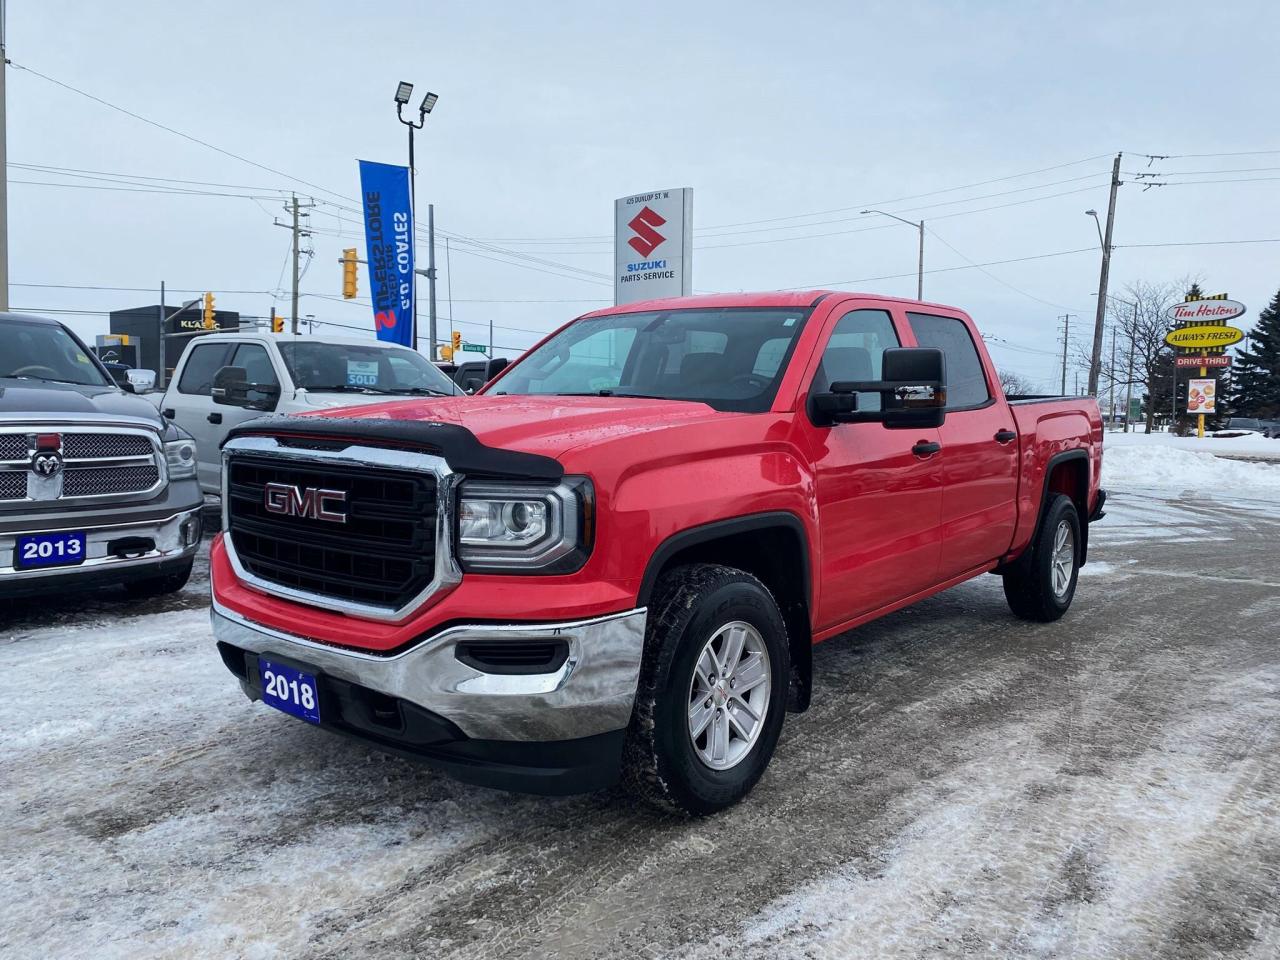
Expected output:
(965, 784)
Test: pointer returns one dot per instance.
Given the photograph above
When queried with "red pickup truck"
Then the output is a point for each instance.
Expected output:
(614, 560)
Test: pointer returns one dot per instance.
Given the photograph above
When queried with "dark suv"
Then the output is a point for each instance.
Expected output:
(95, 486)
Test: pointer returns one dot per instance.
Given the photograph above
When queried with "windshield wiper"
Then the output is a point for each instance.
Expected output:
(27, 376)
(420, 390)
(347, 388)
(617, 393)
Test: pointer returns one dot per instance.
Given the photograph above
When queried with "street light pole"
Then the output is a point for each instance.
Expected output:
(403, 91)
(920, 260)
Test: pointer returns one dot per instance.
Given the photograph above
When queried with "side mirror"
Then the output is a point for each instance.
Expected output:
(495, 367)
(913, 393)
(119, 374)
(232, 388)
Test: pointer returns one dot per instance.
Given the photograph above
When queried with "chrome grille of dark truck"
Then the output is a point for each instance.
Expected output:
(102, 481)
(102, 446)
(383, 555)
(13, 485)
(13, 446)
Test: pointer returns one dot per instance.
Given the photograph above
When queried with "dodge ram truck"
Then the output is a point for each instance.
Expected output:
(96, 489)
(613, 561)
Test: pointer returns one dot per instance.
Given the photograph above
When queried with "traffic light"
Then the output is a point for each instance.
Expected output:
(208, 312)
(277, 323)
(457, 340)
(446, 354)
(349, 273)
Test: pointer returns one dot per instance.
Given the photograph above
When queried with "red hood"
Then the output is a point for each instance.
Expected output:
(550, 426)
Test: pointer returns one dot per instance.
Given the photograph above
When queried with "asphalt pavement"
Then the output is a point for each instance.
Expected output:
(965, 784)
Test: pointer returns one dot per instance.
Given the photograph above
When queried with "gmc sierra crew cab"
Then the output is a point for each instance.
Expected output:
(95, 487)
(614, 560)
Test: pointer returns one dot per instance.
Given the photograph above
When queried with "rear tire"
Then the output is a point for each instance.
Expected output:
(1041, 583)
(158, 586)
(715, 665)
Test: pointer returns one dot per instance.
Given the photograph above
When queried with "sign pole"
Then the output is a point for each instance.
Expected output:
(1204, 372)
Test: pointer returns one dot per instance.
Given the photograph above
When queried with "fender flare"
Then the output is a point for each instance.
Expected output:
(716, 530)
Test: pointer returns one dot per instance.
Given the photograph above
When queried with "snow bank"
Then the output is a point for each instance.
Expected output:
(1242, 445)
(1171, 471)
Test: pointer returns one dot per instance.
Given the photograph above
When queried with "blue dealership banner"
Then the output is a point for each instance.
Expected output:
(388, 232)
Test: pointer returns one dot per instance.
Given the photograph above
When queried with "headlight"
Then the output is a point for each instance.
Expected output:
(525, 527)
(181, 457)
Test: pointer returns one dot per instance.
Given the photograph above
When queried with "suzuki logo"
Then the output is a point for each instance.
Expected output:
(46, 464)
(316, 503)
(646, 239)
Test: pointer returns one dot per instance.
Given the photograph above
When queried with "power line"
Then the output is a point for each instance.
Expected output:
(801, 216)
(168, 129)
(988, 273)
(899, 276)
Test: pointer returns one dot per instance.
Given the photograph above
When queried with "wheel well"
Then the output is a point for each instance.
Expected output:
(773, 552)
(1070, 476)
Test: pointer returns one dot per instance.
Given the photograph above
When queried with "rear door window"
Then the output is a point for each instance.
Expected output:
(966, 381)
(206, 359)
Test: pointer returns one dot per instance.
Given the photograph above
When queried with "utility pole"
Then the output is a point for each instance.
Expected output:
(294, 208)
(431, 284)
(1066, 336)
(1095, 358)
(4, 170)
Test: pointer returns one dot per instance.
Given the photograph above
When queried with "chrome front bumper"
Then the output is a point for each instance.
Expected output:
(173, 538)
(591, 693)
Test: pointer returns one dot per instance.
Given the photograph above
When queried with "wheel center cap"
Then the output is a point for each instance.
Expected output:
(720, 695)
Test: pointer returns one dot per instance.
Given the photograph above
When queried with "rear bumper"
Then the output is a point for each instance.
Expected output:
(555, 732)
(114, 553)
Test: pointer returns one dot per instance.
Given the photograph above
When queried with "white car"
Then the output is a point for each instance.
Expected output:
(284, 375)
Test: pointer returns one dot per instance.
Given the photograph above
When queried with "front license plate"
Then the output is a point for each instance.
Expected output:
(290, 690)
(62, 549)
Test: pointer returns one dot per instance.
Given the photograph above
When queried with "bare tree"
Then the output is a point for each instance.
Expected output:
(1015, 383)
(1145, 360)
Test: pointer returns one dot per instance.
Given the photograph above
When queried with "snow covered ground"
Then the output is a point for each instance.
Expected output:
(965, 784)
(1164, 465)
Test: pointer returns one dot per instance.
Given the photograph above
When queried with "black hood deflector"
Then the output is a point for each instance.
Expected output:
(456, 444)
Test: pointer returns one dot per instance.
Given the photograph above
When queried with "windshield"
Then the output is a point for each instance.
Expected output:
(46, 351)
(729, 358)
(342, 367)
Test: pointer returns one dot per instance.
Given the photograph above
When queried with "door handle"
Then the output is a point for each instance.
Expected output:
(167, 413)
(214, 418)
(926, 448)
(1005, 436)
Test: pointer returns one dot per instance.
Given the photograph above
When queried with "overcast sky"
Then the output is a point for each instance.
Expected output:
(549, 111)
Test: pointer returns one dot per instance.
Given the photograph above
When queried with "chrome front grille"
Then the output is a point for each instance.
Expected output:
(102, 446)
(13, 446)
(103, 481)
(13, 485)
(51, 462)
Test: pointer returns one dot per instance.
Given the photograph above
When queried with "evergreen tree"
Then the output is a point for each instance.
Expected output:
(1195, 293)
(1256, 377)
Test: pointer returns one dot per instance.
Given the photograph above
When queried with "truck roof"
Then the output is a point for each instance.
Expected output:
(287, 338)
(767, 298)
(28, 318)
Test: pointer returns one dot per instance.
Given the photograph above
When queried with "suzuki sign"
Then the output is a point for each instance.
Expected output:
(653, 246)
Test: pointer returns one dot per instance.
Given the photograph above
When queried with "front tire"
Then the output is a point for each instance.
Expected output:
(712, 691)
(1041, 583)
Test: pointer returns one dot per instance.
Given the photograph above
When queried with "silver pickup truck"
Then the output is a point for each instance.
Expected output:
(96, 488)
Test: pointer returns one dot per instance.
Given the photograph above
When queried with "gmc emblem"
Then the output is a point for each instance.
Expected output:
(314, 502)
